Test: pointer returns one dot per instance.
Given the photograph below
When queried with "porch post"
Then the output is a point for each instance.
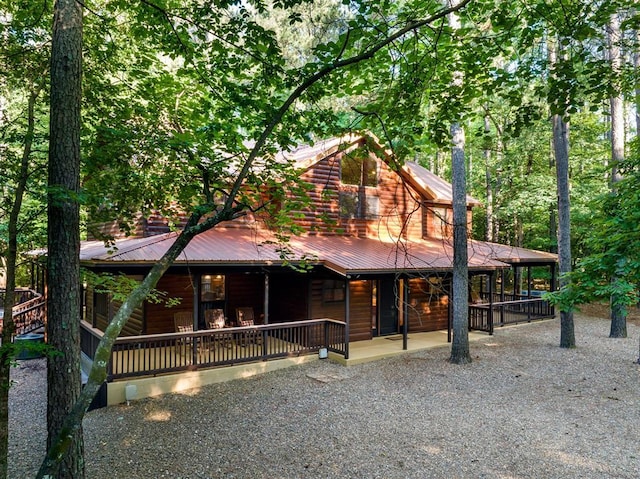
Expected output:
(449, 319)
(552, 287)
(266, 298)
(502, 296)
(529, 305)
(490, 317)
(195, 280)
(347, 297)
(405, 312)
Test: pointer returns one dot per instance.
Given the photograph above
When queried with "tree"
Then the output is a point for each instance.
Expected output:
(618, 312)
(63, 265)
(266, 122)
(23, 54)
(7, 351)
(561, 154)
(460, 287)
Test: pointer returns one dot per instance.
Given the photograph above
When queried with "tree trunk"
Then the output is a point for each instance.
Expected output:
(561, 149)
(63, 267)
(560, 145)
(618, 311)
(460, 302)
(460, 289)
(7, 351)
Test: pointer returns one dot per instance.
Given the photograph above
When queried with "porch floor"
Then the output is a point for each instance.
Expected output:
(389, 346)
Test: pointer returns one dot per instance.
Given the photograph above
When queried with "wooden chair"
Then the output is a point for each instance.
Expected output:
(215, 320)
(183, 323)
(245, 314)
(245, 318)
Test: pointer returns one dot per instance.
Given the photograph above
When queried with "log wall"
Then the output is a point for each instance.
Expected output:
(428, 306)
(399, 207)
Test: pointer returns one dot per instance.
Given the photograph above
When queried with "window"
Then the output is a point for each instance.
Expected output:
(332, 291)
(359, 169)
(357, 204)
(442, 222)
(212, 287)
(101, 304)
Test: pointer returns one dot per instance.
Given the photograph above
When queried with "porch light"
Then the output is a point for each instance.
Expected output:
(130, 392)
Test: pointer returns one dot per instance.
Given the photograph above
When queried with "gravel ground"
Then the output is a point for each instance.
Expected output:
(524, 408)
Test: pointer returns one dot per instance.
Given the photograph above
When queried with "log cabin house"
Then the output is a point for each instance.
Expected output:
(378, 265)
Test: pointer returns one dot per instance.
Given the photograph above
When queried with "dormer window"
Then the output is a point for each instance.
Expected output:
(359, 169)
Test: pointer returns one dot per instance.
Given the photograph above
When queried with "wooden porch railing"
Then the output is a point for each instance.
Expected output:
(482, 317)
(29, 310)
(162, 353)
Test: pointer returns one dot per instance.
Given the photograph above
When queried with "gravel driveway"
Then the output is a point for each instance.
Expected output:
(524, 408)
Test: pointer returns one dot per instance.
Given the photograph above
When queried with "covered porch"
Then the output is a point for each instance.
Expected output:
(389, 346)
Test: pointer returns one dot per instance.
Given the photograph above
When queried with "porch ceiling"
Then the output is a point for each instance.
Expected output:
(344, 255)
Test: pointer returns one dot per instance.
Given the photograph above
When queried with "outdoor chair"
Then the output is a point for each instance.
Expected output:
(245, 318)
(215, 320)
(245, 313)
(183, 323)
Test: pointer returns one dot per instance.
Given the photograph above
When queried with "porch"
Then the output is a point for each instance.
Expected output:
(389, 346)
(157, 354)
(28, 311)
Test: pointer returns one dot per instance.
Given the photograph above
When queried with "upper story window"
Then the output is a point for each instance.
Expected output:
(359, 169)
(442, 219)
(355, 204)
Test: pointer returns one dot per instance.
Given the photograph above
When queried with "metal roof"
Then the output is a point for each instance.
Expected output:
(344, 255)
(218, 245)
(434, 187)
(512, 254)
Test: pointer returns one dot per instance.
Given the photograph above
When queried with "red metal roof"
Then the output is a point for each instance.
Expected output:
(345, 255)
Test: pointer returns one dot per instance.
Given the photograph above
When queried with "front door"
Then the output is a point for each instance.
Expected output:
(387, 311)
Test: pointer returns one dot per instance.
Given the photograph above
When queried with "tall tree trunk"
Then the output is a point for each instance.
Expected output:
(460, 289)
(63, 267)
(561, 148)
(7, 351)
(618, 310)
(561, 155)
